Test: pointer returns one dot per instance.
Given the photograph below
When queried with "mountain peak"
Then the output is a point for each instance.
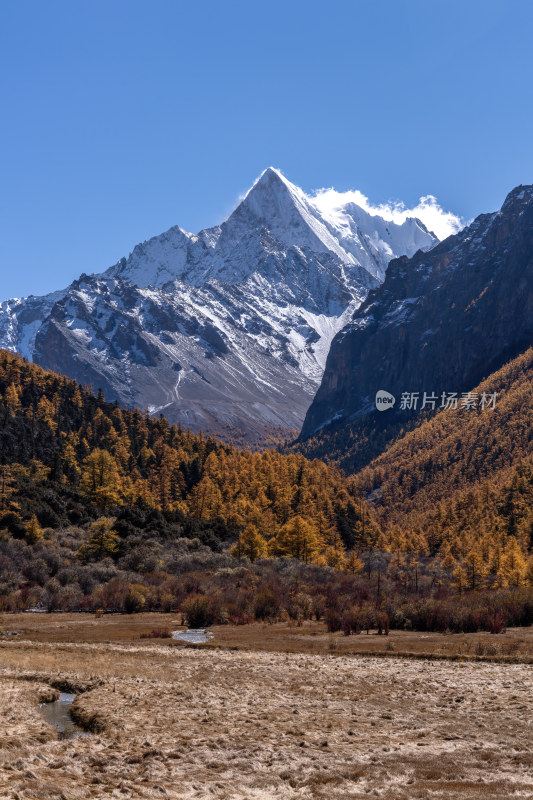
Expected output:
(225, 329)
(272, 177)
(521, 195)
(271, 174)
(271, 193)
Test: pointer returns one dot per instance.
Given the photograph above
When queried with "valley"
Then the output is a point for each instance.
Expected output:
(144, 629)
(266, 432)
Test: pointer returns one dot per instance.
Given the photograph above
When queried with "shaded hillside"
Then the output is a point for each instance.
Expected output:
(440, 323)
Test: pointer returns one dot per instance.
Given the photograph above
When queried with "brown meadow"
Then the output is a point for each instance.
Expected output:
(182, 722)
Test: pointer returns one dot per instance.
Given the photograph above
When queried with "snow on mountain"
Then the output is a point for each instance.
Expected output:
(273, 212)
(225, 330)
(21, 319)
(440, 322)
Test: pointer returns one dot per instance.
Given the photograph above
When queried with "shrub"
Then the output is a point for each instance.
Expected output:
(382, 623)
(333, 620)
(135, 599)
(198, 611)
(319, 604)
(350, 621)
(266, 605)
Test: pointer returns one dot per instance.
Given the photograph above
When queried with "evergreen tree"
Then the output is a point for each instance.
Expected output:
(250, 545)
(102, 542)
(34, 532)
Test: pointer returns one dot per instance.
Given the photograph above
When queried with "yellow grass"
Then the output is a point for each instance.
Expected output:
(515, 644)
(205, 723)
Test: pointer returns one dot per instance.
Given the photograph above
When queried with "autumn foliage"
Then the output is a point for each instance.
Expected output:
(107, 509)
(59, 435)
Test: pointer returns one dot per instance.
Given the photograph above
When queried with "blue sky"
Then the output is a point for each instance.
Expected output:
(122, 118)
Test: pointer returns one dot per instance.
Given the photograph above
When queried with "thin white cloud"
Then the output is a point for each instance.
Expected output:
(442, 223)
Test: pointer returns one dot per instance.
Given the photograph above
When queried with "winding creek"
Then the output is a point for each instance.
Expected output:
(57, 713)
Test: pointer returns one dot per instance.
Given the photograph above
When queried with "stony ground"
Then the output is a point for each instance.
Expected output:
(196, 723)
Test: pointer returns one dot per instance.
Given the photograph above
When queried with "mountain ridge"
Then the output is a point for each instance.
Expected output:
(226, 330)
(470, 296)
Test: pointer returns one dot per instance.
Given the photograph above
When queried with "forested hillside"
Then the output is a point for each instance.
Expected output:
(106, 508)
(68, 455)
(464, 480)
(94, 496)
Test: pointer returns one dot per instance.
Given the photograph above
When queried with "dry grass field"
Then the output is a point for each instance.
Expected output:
(251, 723)
(515, 644)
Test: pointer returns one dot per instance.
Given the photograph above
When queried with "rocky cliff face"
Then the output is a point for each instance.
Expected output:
(440, 322)
(227, 330)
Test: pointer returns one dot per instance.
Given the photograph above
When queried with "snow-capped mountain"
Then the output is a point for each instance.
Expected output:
(225, 330)
(439, 323)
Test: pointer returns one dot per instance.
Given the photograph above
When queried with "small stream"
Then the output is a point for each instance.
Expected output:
(57, 713)
(193, 636)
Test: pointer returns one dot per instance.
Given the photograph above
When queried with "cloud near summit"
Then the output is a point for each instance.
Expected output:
(442, 223)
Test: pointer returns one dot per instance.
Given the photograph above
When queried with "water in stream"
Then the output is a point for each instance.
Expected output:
(57, 713)
(193, 636)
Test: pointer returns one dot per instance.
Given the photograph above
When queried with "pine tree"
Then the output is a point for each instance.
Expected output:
(100, 479)
(475, 568)
(353, 563)
(7, 490)
(34, 532)
(46, 411)
(103, 541)
(529, 571)
(250, 545)
(513, 566)
(299, 539)
(12, 399)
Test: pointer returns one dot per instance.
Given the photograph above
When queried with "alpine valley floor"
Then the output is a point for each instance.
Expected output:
(181, 722)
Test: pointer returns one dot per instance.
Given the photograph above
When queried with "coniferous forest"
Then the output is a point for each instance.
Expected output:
(103, 508)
